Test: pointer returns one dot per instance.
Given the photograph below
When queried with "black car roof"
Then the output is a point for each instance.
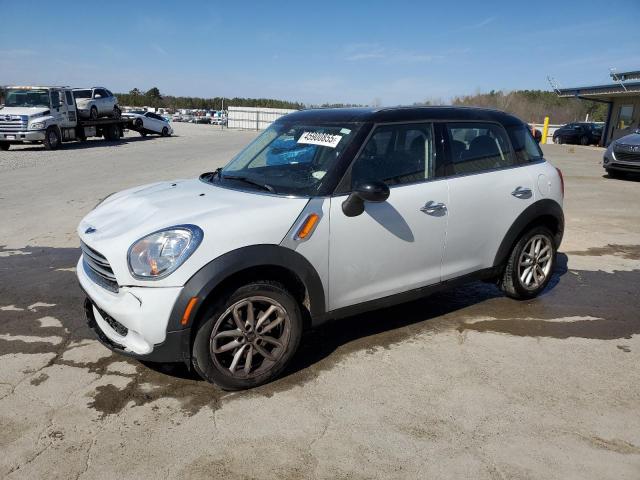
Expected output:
(400, 114)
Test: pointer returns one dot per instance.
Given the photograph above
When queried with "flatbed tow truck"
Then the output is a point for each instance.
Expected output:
(49, 115)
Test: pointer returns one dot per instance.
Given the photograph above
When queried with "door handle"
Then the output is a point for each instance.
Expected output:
(435, 209)
(522, 192)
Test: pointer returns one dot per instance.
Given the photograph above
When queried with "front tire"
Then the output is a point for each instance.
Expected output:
(93, 113)
(558, 140)
(51, 138)
(248, 336)
(165, 132)
(584, 140)
(530, 265)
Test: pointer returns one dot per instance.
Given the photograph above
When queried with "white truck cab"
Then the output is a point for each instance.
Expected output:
(30, 111)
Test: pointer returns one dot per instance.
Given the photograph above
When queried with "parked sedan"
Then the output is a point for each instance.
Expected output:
(579, 133)
(623, 156)
(96, 102)
(149, 122)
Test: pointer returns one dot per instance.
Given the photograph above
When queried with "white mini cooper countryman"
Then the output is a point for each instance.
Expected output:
(326, 214)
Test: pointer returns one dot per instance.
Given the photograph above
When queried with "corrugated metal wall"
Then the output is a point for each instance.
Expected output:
(254, 118)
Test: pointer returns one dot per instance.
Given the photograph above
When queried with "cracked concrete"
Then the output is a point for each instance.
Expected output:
(463, 384)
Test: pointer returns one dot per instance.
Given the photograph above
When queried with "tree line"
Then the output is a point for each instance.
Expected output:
(533, 105)
(153, 98)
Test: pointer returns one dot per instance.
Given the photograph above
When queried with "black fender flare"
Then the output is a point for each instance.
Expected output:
(205, 280)
(537, 210)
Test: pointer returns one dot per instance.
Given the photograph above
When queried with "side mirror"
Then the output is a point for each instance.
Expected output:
(372, 191)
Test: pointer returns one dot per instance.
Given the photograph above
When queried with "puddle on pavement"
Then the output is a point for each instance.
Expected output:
(630, 252)
(44, 276)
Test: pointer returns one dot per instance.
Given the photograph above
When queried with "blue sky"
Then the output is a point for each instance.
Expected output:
(392, 52)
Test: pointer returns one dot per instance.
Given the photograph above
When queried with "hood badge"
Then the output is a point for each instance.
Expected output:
(90, 230)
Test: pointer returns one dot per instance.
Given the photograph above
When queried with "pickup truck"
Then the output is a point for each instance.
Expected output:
(49, 115)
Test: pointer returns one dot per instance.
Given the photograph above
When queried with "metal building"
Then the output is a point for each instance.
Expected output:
(254, 118)
(623, 98)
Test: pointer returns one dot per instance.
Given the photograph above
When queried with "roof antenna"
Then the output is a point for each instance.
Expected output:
(616, 78)
(554, 85)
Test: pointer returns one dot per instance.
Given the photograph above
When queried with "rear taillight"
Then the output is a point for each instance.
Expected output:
(561, 181)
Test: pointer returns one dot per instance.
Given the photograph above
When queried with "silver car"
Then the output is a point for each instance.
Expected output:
(623, 155)
(96, 102)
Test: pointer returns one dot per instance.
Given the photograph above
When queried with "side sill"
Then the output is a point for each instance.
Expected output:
(404, 297)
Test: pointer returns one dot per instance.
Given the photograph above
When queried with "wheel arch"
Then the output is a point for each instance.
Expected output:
(256, 262)
(545, 212)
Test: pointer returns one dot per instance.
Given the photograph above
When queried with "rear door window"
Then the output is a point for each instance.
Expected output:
(525, 148)
(478, 147)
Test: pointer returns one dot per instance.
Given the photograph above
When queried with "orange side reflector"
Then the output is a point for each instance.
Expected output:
(188, 310)
(308, 226)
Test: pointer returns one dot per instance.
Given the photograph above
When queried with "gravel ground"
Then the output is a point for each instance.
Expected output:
(463, 384)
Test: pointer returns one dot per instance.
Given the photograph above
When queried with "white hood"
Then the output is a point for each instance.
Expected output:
(29, 111)
(230, 219)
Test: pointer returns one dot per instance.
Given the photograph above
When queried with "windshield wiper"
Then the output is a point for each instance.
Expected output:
(263, 186)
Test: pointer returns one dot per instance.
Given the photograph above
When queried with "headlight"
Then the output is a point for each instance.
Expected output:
(36, 126)
(159, 254)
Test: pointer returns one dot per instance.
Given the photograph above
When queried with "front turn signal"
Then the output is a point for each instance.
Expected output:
(308, 226)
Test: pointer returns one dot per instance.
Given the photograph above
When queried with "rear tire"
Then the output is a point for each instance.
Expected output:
(584, 140)
(262, 343)
(93, 113)
(5, 146)
(530, 265)
(52, 139)
(116, 112)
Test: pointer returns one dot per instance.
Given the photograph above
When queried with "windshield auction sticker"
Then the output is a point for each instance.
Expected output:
(322, 139)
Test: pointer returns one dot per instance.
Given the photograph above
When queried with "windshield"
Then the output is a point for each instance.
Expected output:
(26, 97)
(289, 158)
(82, 93)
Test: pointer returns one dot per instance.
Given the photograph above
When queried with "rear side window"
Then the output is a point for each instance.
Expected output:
(395, 155)
(525, 147)
(69, 97)
(478, 147)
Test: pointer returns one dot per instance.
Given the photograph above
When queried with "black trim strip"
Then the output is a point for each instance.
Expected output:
(215, 272)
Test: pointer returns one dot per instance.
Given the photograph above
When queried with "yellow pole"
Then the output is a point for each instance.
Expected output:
(545, 130)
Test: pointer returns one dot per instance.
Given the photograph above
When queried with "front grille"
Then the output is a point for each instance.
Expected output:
(98, 268)
(627, 156)
(12, 123)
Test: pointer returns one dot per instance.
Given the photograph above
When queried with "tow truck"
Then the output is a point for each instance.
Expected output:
(49, 115)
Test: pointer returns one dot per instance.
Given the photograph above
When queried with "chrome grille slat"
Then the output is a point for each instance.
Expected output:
(98, 268)
(100, 260)
(100, 271)
(627, 156)
(12, 123)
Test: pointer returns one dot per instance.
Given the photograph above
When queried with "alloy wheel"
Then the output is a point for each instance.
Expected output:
(534, 264)
(250, 337)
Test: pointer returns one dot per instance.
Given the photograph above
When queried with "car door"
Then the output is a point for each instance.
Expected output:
(99, 96)
(151, 122)
(393, 246)
(489, 187)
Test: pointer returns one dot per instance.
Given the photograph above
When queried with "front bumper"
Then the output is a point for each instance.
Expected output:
(24, 136)
(134, 320)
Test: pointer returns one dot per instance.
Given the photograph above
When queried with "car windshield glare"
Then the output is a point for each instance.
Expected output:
(289, 158)
(26, 98)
